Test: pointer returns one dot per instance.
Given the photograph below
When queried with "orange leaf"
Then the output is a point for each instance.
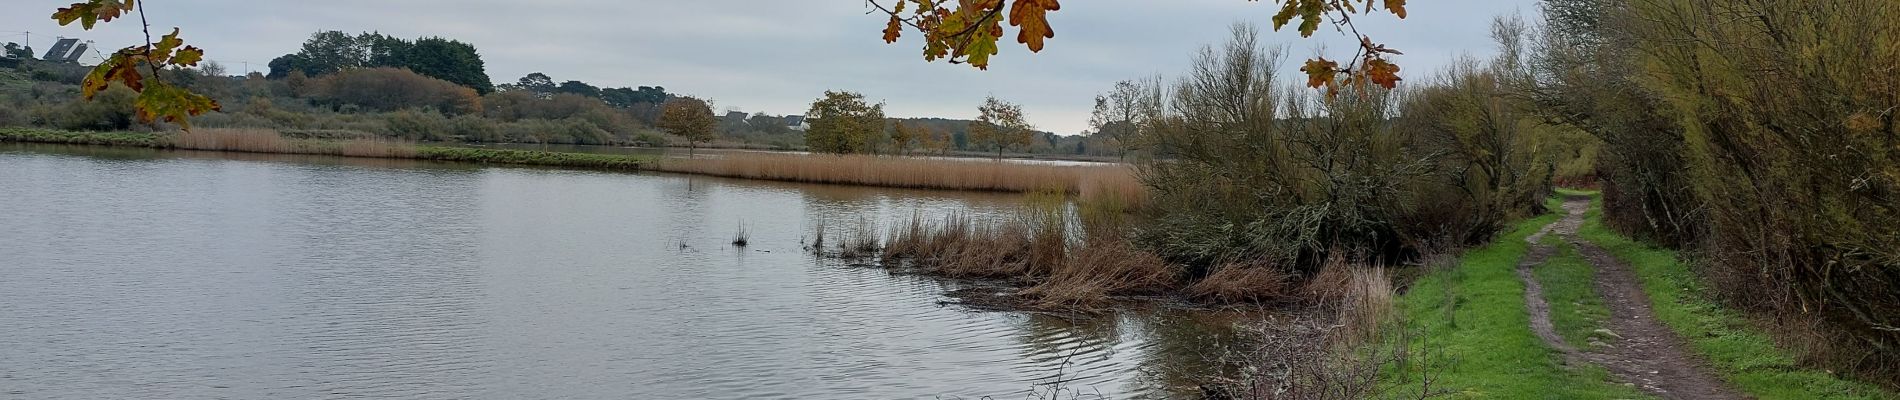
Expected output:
(1320, 72)
(1033, 18)
(894, 29)
(1382, 72)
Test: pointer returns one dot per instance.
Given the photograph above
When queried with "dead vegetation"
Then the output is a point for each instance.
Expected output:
(922, 173)
(270, 141)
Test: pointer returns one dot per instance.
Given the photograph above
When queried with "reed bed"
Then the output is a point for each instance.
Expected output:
(1057, 271)
(1114, 186)
(921, 173)
(272, 142)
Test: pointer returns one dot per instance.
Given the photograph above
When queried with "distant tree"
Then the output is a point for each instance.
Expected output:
(902, 136)
(652, 95)
(282, 67)
(449, 60)
(385, 51)
(15, 50)
(934, 140)
(619, 97)
(579, 88)
(999, 125)
(537, 83)
(689, 118)
(843, 123)
(1120, 112)
(328, 52)
(212, 69)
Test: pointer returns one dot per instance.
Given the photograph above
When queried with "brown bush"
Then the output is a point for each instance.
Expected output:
(391, 89)
(914, 173)
(1100, 269)
(1244, 283)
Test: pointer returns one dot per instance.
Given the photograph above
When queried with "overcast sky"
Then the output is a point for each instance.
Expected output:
(776, 56)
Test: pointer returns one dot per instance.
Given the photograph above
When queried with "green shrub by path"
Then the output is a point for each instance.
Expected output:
(1747, 358)
(1474, 315)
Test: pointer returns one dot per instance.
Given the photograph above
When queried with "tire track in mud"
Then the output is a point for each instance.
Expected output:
(1642, 351)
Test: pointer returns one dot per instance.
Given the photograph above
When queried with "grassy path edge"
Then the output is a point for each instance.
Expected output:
(1474, 314)
(1747, 358)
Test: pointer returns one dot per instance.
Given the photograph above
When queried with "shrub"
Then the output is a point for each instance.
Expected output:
(109, 110)
(418, 125)
(390, 89)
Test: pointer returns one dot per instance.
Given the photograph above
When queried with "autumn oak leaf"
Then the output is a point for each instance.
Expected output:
(1320, 72)
(1382, 72)
(1397, 7)
(1032, 18)
(92, 12)
(893, 29)
(173, 104)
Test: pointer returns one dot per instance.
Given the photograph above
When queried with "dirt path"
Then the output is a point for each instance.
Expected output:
(1644, 352)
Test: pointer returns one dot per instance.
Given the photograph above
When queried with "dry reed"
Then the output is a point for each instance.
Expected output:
(1097, 270)
(270, 141)
(1243, 283)
(245, 140)
(860, 242)
(921, 173)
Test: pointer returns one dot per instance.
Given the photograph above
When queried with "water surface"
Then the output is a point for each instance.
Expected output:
(149, 274)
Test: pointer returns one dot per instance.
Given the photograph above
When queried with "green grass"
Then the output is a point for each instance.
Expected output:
(530, 157)
(127, 139)
(1746, 358)
(1576, 309)
(1474, 313)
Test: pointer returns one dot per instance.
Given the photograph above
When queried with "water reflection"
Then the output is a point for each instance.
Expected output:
(159, 274)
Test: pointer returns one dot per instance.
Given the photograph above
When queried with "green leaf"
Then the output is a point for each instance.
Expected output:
(92, 12)
(173, 104)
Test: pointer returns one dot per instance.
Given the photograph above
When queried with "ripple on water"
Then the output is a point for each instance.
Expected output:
(164, 275)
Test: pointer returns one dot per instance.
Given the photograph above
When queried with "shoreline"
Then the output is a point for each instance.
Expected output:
(857, 170)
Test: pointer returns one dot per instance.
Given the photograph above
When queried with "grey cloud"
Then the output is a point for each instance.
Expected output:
(776, 56)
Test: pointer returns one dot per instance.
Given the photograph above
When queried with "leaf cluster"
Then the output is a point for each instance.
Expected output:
(156, 99)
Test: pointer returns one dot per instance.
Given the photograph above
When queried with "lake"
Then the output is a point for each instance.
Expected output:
(161, 274)
(682, 153)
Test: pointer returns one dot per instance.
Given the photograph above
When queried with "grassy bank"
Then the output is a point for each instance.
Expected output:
(1746, 357)
(1102, 184)
(256, 141)
(1474, 313)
